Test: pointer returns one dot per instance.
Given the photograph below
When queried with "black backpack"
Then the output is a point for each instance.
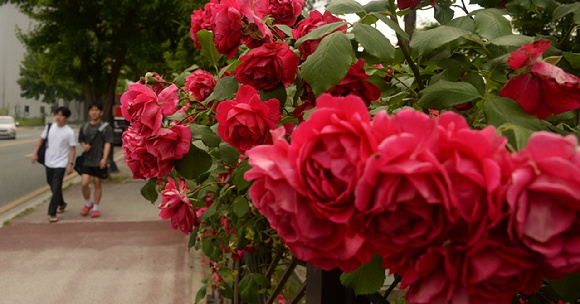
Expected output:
(43, 146)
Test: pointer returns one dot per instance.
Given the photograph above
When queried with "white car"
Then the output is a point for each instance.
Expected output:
(8, 127)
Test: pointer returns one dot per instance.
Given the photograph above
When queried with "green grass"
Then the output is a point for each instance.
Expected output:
(21, 214)
(30, 121)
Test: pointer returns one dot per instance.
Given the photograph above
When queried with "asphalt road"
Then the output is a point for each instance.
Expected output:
(18, 177)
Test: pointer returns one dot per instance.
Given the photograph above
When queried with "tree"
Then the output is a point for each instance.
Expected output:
(94, 43)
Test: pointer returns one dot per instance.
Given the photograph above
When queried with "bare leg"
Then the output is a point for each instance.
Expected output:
(98, 190)
(86, 189)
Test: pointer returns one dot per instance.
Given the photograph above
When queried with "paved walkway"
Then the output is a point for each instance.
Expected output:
(128, 255)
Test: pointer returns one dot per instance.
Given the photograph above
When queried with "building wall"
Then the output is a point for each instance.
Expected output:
(11, 56)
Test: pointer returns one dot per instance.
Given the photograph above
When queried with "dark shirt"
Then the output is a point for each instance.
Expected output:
(95, 154)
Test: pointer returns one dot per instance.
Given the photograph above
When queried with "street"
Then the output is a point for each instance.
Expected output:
(18, 177)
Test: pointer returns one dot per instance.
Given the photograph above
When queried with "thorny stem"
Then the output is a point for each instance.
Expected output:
(404, 49)
(397, 79)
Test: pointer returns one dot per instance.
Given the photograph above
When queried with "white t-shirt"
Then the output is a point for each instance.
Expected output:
(60, 139)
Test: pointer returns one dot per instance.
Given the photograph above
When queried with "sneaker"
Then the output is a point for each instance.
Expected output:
(95, 213)
(86, 210)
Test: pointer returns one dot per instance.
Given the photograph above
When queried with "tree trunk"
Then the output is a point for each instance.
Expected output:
(109, 102)
(87, 90)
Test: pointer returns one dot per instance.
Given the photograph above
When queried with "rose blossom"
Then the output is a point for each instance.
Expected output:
(200, 83)
(405, 4)
(329, 151)
(543, 89)
(143, 164)
(254, 12)
(403, 194)
(227, 27)
(266, 66)
(478, 164)
(544, 196)
(201, 20)
(171, 143)
(246, 121)
(311, 238)
(142, 108)
(176, 205)
(158, 87)
(285, 11)
(314, 21)
(354, 84)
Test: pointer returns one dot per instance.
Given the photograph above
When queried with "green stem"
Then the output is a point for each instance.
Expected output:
(568, 33)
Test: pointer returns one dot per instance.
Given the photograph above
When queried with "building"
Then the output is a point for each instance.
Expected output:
(11, 55)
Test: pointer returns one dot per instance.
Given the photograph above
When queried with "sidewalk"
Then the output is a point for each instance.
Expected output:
(128, 255)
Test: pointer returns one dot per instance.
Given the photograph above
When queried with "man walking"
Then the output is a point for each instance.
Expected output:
(96, 137)
(59, 158)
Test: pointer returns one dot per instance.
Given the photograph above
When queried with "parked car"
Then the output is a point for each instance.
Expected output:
(120, 123)
(8, 127)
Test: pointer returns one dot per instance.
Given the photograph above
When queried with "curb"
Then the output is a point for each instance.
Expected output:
(41, 197)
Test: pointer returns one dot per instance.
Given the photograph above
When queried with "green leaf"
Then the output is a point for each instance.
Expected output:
(238, 175)
(227, 292)
(194, 163)
(443, 13)
(501, 110)
(425, 41)
(205, 134)
(477, 81)
(374, 42)
(285, 29)
(341, 7)
(464, 23)
(511, 40)
(177, 116)
(208, 49)
(207, 247)
(328, 64)
(376, 6)
(319, 32)
(192, 238)
(490, 24)
(521, 135)
(200, 294)
(445, 94)
(241, 206)
(568, 287)
(367, 279)
(149, 190)
(573, 59)
(226, 88)
(207, 214)
(248, 290)
(278, 93)
(228, 153)
(261, 279)
(393, 25)
(564, 10)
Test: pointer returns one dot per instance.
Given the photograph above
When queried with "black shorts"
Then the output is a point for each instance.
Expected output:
(95, 171)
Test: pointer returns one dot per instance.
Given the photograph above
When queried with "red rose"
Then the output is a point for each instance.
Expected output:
(544, 196)
(201, 20)
(177, 207)
(144, 110)
(158, 87)
(310, 238)
(246, 121)
(328, 152)
(478, 165)
(405, 4)
(254, 12)
(403, 195)
(227, 27)
(354, 84)
(142, 163)
(266, 66)
(546, 89)
(200, 83)
(171, 143)
(314, 21)
(285, 11)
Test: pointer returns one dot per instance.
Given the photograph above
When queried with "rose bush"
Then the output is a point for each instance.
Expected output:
(448, 157)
